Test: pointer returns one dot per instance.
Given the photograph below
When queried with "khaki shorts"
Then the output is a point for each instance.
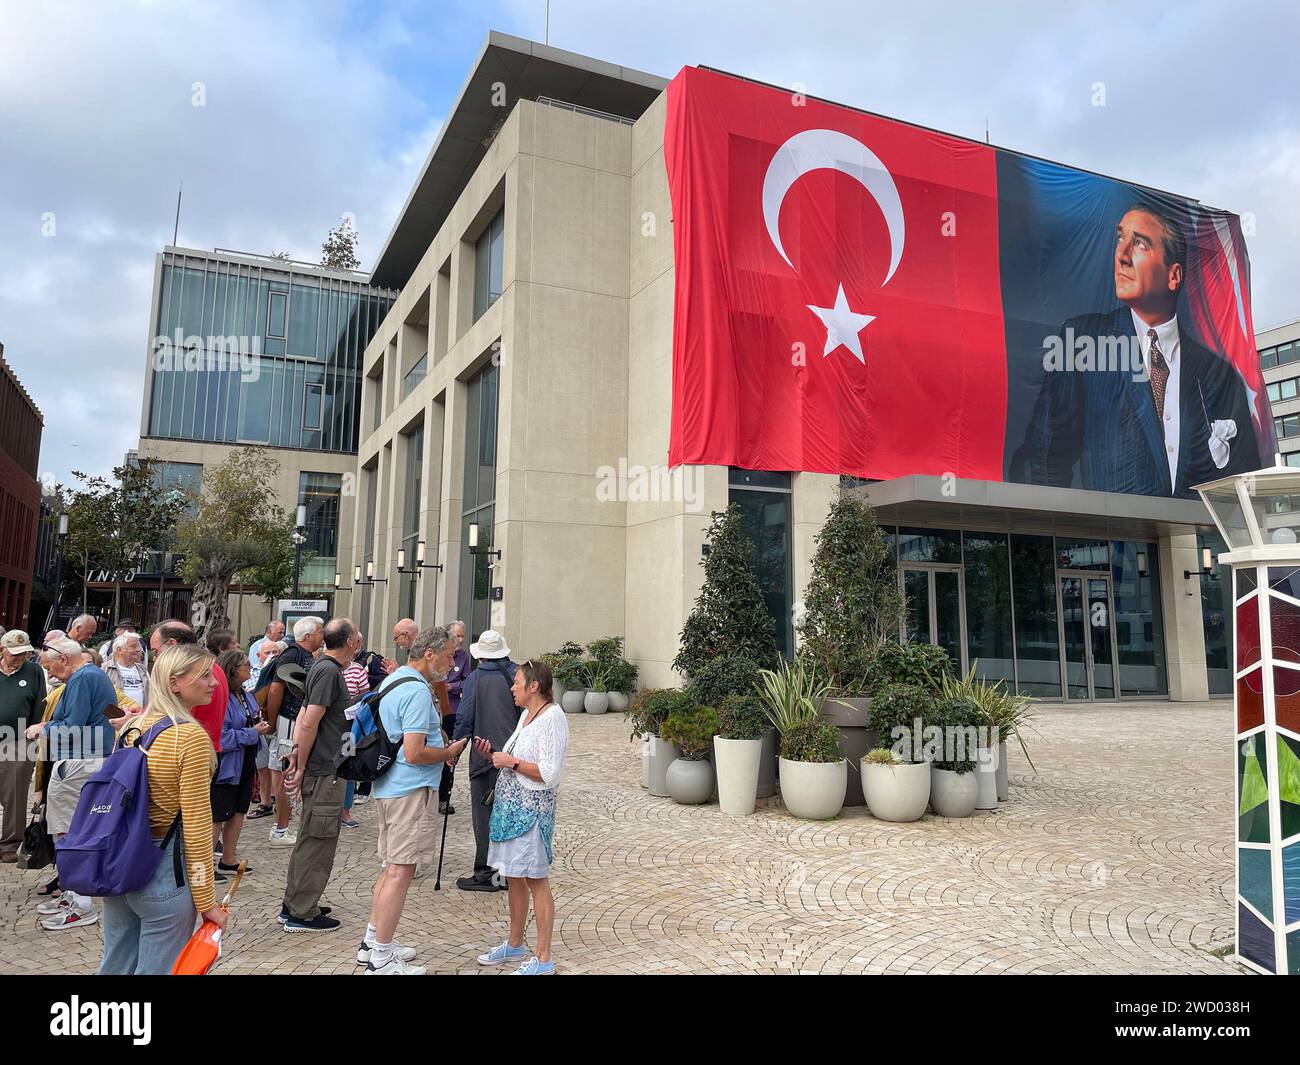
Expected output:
(67, 778)
(408, 827)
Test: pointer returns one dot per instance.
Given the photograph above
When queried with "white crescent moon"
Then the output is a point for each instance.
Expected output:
(828, 149)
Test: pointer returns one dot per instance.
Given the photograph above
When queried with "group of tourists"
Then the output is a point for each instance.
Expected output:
(234, 735)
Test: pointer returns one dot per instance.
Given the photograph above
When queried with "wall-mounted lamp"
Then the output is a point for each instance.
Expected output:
(420, 565)
(371, 579)
(1142, 563)
(474, 548)
(1208, 567)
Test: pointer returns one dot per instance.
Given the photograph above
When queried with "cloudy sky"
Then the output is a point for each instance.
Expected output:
(312, 109)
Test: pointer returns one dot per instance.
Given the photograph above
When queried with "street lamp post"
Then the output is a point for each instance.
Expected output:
(58, 566)
(1258, 515)
(299, 538)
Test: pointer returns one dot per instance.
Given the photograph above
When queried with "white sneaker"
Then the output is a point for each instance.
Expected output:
(50, 907)
(360, 800)
(400, 952)
(70, 918)
(283, 839)
(394, 967)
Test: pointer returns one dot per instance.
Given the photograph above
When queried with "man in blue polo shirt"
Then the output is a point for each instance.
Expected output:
(406, 795)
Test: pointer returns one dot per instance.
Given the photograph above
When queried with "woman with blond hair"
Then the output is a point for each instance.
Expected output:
(145, 930)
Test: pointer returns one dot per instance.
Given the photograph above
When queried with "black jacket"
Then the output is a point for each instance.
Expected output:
(487, 709)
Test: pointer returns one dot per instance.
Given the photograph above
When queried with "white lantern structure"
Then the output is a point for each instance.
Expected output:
(1258, 515)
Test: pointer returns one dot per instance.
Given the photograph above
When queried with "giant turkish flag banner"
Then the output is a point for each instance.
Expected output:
(838, 302)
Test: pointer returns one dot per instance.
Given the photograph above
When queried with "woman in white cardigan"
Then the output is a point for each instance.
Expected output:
(523, 815)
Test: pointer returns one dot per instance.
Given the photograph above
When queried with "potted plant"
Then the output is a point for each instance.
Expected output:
(954, 787)
(647, 713)
(560, 662)
(1005, 714)
(851, 604)
(813, 774)
(896, 790)
(899, 717)
(596, 699)
(620, 674)
(737, 750)
(737, 674)
(690, 778)
(572, 674)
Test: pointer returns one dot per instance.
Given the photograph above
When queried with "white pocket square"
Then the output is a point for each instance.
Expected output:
(1220, 433)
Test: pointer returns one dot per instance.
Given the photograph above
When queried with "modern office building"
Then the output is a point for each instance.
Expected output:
(517, 407)
(1279, 357)
(20, 496)
(253, 350)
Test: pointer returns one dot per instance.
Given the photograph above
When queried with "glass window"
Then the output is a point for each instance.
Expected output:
(489, 262)
(1289, 388)
(1139, 620)
(415, 375)
(758, 479)
(1082, 554)
(929, 545)
(320, 493)
(313, 400)
(766, 517)
(1268, 358)
(1293, 459)
(1285, 354)
(1038, 648)
(988, 606)
(1274, 393)
(255, 407)
(1216, 616)
(479, 494)
(304, 309)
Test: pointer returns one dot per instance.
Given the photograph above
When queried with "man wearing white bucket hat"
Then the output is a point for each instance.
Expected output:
(487, 710)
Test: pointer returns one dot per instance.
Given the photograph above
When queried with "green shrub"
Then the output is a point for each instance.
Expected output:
(921, 664)
(792, 694)
(811, 741)
(741, 717)
(723, 676)
(692, 730)
(961, 718)
(897, 707)
(882, 756)
(650, 707)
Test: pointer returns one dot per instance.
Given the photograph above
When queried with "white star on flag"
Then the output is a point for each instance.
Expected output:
(842, 326)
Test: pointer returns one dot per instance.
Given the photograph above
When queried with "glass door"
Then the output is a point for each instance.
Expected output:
(932, 599)
(1087, 636)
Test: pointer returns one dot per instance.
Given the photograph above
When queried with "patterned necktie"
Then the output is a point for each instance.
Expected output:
(1159, 376)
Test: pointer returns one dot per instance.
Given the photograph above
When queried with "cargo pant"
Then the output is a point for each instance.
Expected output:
(312, 860)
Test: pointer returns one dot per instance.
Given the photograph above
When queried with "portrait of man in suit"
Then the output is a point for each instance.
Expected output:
(1173, 415)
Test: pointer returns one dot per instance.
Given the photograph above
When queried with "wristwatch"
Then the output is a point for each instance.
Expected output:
(518, 763)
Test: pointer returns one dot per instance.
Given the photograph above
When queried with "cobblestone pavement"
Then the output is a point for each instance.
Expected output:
(1115, 857)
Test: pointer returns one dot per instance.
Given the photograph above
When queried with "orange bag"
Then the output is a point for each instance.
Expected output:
(200, 954)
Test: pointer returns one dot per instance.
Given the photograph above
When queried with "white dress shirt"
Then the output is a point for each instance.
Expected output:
(1167, 335)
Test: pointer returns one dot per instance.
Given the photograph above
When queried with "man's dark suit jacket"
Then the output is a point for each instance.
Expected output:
(1106, 422)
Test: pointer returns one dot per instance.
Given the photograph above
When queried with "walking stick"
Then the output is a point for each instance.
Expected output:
(437, 883)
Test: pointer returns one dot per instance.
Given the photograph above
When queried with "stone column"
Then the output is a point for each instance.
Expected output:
(1180, 600)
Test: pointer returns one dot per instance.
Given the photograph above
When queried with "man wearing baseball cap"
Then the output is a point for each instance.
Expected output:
(22, 700)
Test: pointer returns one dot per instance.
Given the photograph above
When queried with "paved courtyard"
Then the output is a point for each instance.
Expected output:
(1116, 857)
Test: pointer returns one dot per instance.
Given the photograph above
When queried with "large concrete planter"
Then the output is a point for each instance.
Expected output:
(645, 761)
(617, 702)
(897, 792)
(572, 701)
(689, 781)
(850, 716)
(1004, 784)
(813, 791)
(737, 764)
(952, 794)
(662, 755)
(986, 780)
(557, 692)
(595, 702)
(767, 764)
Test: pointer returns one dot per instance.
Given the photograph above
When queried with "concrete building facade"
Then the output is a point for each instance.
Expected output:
(526, 460)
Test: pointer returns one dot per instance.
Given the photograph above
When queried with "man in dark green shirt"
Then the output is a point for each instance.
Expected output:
(22, 703)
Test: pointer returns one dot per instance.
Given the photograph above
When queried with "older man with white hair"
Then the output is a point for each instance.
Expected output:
(284, 679)
(83, 627)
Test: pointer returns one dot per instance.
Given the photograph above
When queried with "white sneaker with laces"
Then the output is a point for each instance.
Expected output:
(70, 918)
(50, 907)
(394, 967)
(405, 953)
(283, 839)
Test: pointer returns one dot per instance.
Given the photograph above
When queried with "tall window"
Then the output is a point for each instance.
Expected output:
(479, 504)
(413, 508)
(1216, 615)
(489, 264)
(320, 493)
(765, 507)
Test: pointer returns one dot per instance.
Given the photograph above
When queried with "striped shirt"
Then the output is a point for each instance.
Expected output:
(181, 763)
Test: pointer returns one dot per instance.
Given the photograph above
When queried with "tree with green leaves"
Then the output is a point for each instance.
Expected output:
(115, 522)
(852, 601)
(729, 616)
(340, 248)
(235, 525)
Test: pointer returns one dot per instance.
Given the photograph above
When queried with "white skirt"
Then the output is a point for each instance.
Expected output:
(522, 856)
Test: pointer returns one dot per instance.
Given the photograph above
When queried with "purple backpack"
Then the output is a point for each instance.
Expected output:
(109, 848)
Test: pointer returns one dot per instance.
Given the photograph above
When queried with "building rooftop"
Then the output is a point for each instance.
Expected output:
(8, 371)
(528, 70)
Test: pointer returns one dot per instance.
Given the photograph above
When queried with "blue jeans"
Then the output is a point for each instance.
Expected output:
(145, 931)
(348, 793)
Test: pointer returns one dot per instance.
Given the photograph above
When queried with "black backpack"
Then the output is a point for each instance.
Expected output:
(292, 701)
(370, 757)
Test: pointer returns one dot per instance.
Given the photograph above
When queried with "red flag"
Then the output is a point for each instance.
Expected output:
(838, 300)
